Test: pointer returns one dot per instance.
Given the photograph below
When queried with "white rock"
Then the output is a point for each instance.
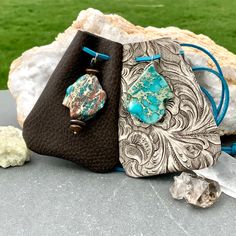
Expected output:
(13, 150)
(31, 71)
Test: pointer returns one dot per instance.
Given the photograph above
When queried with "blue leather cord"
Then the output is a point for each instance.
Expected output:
(96, 54)
(221, 111)
(197, 68)
(119, 168)
(209, 55)
(224, 101)
(147, 58)
(153, 57)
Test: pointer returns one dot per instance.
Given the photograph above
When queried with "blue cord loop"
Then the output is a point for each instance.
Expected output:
(209, 55)
(225, 96)
(224, 100)
(196, 68)
(96, 54)
(153, 57)
(147, 58)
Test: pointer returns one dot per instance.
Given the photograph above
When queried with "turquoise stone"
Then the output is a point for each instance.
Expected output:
(147, 96)
(85, 97)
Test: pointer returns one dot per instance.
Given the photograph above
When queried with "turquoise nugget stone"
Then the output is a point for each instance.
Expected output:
(147, 96)
(85, 97)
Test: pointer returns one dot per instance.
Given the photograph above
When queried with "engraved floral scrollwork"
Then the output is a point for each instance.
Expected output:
(187, 138)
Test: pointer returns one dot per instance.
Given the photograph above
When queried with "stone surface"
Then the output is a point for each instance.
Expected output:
(198, 191)
(147, 96)
(224, 172)
(57, 197)
(13, 150)
(85, 97)
(30, 72)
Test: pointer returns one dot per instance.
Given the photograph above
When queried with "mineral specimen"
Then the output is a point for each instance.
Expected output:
(31, 71)
(13, 150)
(85, 97)
(195, 190)
(146, 97)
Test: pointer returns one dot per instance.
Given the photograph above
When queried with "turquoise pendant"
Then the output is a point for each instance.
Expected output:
(147, 96)
(84, 98)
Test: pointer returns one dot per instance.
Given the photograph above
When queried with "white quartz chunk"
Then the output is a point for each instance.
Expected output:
(13, 149)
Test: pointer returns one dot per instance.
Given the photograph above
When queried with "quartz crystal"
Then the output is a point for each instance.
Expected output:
(147, 96)
(195, 190)
(224, 172)
(85, 97)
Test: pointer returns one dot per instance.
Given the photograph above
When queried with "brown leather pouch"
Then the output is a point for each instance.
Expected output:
(46, 129)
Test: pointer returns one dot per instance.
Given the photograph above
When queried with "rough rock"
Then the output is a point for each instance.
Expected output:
(196, 190)
(30, 72)
(90, 100)
(13, 150)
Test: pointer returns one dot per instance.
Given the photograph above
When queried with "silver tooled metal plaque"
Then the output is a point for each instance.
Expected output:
(187, 138)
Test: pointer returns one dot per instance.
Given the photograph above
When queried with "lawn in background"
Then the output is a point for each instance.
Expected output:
(28, 23)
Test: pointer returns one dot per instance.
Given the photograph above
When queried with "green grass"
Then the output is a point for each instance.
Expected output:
(27, 23)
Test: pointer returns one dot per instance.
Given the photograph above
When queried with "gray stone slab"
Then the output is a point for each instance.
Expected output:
(49, 196)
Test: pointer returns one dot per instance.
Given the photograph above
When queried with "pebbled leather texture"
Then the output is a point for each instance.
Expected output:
(187, 138)
(46, 129)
